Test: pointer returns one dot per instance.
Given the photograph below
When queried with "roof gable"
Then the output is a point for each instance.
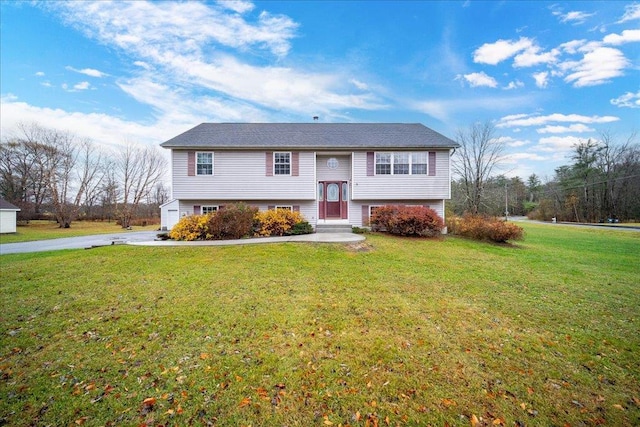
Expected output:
(310, 136)
(4, 205)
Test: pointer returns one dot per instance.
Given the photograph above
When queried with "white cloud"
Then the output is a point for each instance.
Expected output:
(514, 143)
(536, 120)
(360, 85)
(572, 46)
(558, 143)
(106, 130)
(532, 56)
(81, 86)
(480, 79)
(598, 66)
(628, 99)
(515, 157)
(142, 64)
(87, 71)
(541, 78)
(577, 17)
(184, 46)
(494, 53)
(237, 5)
(40, 74)
(578, 127)
(627, 36)
(160, 29)
(514, 85)
(631, 13)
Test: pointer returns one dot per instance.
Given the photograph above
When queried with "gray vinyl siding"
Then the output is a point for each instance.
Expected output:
(240, 175)
(398, 187)
(341, 173)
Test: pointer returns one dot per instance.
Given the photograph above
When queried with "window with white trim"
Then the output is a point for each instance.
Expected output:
(204, 163)
(282, 163)
(401, 163)
(208, 209)
(419, 163)
(383, 163)
(284, 207)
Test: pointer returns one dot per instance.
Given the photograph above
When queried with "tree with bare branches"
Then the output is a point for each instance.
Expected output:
(139, 170)
(474, 162)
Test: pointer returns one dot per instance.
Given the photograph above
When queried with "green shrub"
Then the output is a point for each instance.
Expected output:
(277, 222)
(480, 227)
(234, 221)
(302, 227)
(192, 227)
(407, 220)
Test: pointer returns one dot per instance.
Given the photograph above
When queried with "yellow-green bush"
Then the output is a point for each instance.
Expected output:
(192, 227)
(277, 222)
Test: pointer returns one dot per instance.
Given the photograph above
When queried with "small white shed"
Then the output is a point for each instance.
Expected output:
(8, 217)
(169, 214)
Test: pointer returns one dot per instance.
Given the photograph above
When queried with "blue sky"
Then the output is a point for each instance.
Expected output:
(547, 74)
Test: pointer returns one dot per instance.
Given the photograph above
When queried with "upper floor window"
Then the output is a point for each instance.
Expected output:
(383, 163)
(282, 163)
(204, 163)
(401, 163)
(418, 163)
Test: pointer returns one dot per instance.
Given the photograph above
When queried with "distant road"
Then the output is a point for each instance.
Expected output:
(79, 242)
(621, 227)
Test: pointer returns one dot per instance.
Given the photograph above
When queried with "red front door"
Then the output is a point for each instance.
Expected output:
(333, 199)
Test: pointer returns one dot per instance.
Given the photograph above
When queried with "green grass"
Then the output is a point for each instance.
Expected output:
(44, 230)
(394, 331)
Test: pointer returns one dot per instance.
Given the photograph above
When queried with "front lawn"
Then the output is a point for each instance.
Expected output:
(392, 331)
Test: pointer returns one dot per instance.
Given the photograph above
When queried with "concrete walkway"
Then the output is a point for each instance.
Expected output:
(146, 238)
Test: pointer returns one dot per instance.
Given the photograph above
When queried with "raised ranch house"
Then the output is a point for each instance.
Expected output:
(333, 173)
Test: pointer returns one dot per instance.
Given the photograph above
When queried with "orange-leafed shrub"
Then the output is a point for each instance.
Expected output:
(480, 227)
(277, 222)
(192, 227)
(234, 221)
(407, 220)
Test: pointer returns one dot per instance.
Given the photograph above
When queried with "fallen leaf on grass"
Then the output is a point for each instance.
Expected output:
(81, 421)
(448, 402)
(618, 406)
(244, 402)
(149, 401)
(475, 422)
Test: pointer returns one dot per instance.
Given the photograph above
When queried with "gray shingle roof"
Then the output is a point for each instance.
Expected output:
(310, 136)
(6, 205)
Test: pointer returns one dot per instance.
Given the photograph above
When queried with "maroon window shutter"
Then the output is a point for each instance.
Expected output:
(296, 208)
(269, 163)
(191, 163)
(295, 163)
(196, 209)
(365, 214)
(371, 163)
(432, 163)
(271, 207)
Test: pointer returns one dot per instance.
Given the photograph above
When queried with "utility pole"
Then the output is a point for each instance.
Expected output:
(506, 202)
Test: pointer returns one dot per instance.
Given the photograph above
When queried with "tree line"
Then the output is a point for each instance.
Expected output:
(600, 183)
(49, 173)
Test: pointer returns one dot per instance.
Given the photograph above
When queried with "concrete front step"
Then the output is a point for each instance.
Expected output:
(333, 228)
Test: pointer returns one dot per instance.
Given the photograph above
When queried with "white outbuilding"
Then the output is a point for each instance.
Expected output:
(8, 217)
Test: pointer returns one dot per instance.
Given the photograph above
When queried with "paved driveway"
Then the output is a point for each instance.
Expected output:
(77, 242)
